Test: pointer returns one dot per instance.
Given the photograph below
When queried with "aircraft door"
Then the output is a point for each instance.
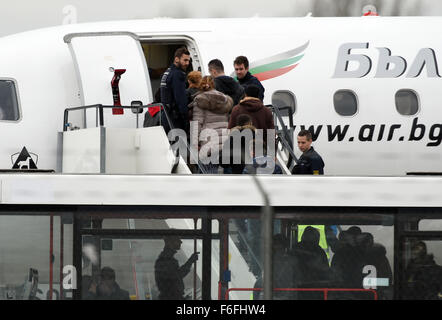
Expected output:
(100, 60)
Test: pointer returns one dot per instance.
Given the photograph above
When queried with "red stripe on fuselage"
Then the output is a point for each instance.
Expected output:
(274, 73)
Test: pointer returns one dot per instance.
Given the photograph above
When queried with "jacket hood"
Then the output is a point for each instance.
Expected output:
(213, 101)
(251, 104)
(241, 128)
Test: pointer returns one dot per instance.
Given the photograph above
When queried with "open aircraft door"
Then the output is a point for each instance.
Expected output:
(97, 58)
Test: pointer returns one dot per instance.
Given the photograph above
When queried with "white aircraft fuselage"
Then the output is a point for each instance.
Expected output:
(373, 59)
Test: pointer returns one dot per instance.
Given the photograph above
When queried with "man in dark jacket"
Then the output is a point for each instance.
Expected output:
(245, 78)
(423, 276)
(310, 162)
(311, 264)
(107, 289)
(168, 274)
(223, 83)
(173, 91)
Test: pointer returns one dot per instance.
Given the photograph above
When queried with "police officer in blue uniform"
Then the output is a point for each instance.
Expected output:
(310, 162)
(173, 91)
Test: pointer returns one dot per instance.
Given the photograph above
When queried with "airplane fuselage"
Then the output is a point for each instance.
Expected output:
(367, 88)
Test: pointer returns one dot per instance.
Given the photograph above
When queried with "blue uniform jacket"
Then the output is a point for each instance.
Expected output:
(173, 90)
(309, 163)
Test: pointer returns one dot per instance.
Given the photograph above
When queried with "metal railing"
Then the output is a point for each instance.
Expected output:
(285, 135)
(136, 109)
(99, 108)
(243, 239)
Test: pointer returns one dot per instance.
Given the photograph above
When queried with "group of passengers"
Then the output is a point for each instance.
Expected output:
(358, 264)
(306, 266)
(219, 103)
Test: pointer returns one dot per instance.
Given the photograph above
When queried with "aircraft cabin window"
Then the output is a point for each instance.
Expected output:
(283, 99)
(9, 110)
(345, 102)
(407, 102)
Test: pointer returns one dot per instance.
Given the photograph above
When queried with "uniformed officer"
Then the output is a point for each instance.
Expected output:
(310, 162)
(173, 91)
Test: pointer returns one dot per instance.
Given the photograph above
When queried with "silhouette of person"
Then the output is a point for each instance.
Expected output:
(168, 274)
(375, 255)
(312, 269)
(348, 261)
(107, 288)
(423, 276)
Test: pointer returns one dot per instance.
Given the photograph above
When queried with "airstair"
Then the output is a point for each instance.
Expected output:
(284, 137)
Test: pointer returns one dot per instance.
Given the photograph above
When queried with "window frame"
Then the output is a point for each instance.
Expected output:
(295, 109)
(418, 102)
(357, 103)
(17, 92)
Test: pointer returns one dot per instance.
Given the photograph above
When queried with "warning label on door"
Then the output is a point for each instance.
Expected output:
(24, 161)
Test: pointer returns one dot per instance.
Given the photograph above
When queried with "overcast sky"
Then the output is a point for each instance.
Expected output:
(23, 15)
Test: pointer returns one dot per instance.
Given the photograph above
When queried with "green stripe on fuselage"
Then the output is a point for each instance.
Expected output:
(276, 65)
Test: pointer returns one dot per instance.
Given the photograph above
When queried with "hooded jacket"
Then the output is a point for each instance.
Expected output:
(261, 115)
(236, 153)
(230, 87)
(211, 110)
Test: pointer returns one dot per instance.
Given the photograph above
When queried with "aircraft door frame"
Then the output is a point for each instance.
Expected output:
(190, 43)
(95, 56)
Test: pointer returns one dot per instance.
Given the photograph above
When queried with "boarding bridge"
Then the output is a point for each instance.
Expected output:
(140, 151)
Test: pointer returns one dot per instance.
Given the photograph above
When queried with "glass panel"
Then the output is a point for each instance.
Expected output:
(351, 261)
(25, 272)
(9, 110)
(245, 255)
(245, 261)
(345, 103)
(140, 269)
(423, 273)
(361, 257)
(407, 102)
